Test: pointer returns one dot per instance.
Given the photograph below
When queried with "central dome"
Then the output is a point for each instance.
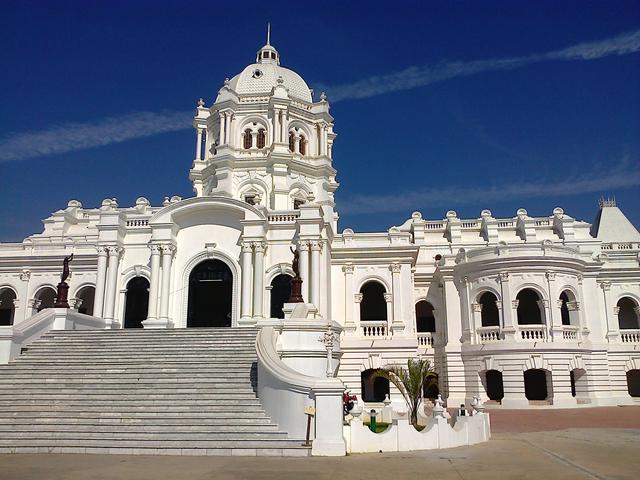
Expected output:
(259, 78)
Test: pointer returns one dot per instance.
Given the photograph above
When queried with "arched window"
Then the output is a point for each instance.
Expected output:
(136, 302)
(425, 321)
(430, 389)
(47, 297)
(292, 142)
(373, 305)
(627, 313)
(633, 382)
(494, 385)
(248, 139)
(262, 138)
(528, 307)
(373, 388)
(536, 382)
(280, 294)
(85, 296)
(489, 311)
(302, 145)
(7, 306)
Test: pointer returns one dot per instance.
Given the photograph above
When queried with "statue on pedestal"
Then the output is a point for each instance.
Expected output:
(296, 282)
(63, 287)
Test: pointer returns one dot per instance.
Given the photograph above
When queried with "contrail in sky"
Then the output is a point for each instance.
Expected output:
(68, 137)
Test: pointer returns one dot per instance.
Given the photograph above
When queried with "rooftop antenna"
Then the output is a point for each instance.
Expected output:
(268, 33)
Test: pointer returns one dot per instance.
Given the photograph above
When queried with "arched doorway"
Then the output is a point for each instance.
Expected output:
(535, 384)
(489, 311)
(633, 382)
(136, 302)
(210, 295)
(373, 306)
(86, 296)
(7, 306)
(280, 293)
(528, 307)
(431, 389)
(373, 388)
(425, 321)
(46, 297)
(494, 385)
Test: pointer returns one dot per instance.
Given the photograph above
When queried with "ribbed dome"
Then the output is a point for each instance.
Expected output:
(260, 78)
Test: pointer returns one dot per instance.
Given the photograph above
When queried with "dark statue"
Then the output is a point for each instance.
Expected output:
(296, 281)
(63, 287)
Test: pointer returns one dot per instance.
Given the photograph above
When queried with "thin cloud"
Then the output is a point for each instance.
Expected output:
(623, 175)
(420, 76)
(70, 137)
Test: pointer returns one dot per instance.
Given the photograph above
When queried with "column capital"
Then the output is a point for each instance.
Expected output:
(499, 305)
(476, 307)
(16, 302)
(464, 281)
(102, 251)
(114, 251)
(559, 303)
(348, 268)
(34, 303)
(606, 286)
(395, 267)
(544, 303)
(168, 249)
(616, 310)
(388, 297)
(25, 275)
(303, 245)
(550, 276)
(514, 303)
(316, 245)
(503, 277)
(357, 297)
(246, 246)
(155, 248)
(259, 247)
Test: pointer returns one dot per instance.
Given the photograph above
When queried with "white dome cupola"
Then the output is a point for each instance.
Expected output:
(268, 54)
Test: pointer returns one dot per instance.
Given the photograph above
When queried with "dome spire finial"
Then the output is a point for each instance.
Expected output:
(268, 33)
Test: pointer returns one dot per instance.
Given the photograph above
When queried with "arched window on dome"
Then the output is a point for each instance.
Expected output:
(292, 142)
(248, 139)
(302, 145)
(262, 138)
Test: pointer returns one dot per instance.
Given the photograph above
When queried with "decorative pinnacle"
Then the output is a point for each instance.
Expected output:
(268, 33)
(323, 97)
(201, 102)
(226, 81)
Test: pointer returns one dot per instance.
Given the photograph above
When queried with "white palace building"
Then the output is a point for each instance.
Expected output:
(522, 311)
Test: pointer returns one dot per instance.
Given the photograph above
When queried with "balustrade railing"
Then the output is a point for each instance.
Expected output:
(489, 334)
(570, 332)
(425, 339)
(630, 336)
(377, 329)
(533, 332)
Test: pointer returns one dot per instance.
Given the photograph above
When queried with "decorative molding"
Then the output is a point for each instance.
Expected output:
(551, 276)
(358, 297)
(514, 303)
(348, 268)
(388, 297)
(476, 307)
(25, 275)
(395, 267)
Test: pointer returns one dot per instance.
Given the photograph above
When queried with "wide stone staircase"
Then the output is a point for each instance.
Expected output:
(176, 392)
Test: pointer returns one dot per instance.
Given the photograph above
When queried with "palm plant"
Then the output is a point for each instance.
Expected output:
(411, 382)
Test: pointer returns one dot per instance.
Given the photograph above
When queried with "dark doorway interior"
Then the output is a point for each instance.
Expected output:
(535, 384)
(425, 321)
(633, 382)
(280, 293)
(137, 302)
(374, 389)
(210, 292)
(373, 305)
(495, 387)
(431, 389)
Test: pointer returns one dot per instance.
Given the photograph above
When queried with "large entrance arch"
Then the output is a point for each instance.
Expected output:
(210, 295)
(136, 302)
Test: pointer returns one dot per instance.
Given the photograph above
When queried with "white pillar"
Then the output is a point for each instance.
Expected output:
(611, 313)
(258, 279)
(223, 121)
(316, 246)
(296, 143)
(247, 272)
(101, 278)
(396, 290)
(154, 283)
(509, 315)
(304, 269)
(199, 144)
(349, 325)
(388, 297)
(112, 279)
(167, 256)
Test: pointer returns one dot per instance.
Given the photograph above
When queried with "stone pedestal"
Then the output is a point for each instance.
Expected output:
(61, 297)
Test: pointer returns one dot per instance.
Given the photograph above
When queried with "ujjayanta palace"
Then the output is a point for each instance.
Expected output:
(523, 311)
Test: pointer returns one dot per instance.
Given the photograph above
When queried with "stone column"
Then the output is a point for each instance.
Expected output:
(545, 310)
(101, 278)
(388, 297)
(316, 246)
(611, 313)
(154, 283)
(112, 282)
(554, 319)
(509, 314)
(223, 121)
(474, 313)
(349, 325)
(247, 274)
(276, 125)
(468, 319)
(304, 269)
(199, 144)
(167, 257)
(357, 298)
(396, 290)
(258, 279)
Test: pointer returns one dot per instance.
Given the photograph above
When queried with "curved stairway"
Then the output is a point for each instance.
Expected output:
(176, 392)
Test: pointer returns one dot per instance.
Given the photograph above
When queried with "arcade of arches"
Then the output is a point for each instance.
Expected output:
(210, 295)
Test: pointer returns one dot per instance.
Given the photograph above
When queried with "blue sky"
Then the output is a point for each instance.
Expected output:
(438, 105)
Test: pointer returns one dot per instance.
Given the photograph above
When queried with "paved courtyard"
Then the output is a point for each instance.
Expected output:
(598, 443)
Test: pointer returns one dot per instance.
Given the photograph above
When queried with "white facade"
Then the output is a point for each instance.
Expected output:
(264, 182)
